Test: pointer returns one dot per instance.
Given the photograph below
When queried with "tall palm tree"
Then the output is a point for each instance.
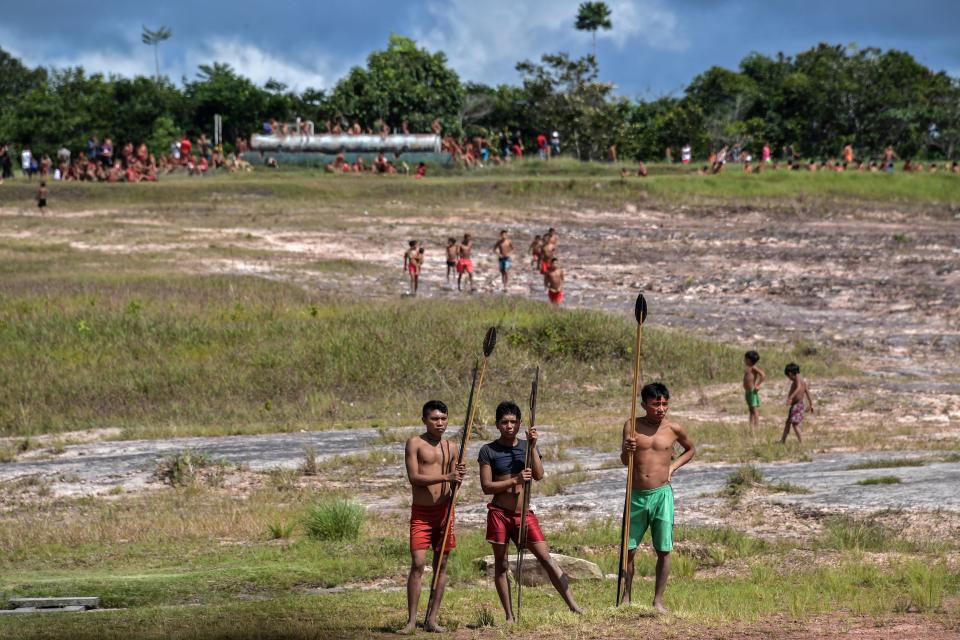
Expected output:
(155, 38)
(592, 16)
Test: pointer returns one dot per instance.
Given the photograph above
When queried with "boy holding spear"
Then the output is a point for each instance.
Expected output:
(649, 446)
(502, 475)
(432, 471)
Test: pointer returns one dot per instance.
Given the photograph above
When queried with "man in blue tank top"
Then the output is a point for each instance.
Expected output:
(502, 475)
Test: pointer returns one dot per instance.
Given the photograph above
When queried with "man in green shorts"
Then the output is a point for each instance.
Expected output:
(651, 504)
(753, 377)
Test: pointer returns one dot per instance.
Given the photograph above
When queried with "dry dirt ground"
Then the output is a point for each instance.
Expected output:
(880, 288)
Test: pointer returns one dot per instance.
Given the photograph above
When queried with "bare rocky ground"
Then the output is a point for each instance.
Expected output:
(879, 288)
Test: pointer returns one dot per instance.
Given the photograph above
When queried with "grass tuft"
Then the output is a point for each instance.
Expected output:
(846, 533)
(887, 464)
(183, 469)
(334, 519)
(280, 530)
(745, 477)
(310, 467)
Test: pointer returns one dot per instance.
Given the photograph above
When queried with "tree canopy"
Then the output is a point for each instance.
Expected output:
(817, 101)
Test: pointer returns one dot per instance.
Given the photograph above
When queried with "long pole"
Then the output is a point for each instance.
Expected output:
(525, 500)
(489, 342)
(640, 311)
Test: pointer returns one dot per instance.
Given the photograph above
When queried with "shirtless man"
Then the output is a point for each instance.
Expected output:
(411, 264)
(553, 281)
(432, 472)
(464, 261)
(753, 377)
(651, 502)
(798, 390)
(535, 248)
(503, 475)
(548, 251)
(453, 254)
(503, 249)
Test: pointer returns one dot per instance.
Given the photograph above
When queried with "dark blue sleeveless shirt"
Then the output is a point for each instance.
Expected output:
(504, 460)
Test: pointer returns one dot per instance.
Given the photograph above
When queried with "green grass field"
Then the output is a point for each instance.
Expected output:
(123, 331)
(178, 355)
(197, 563)
(564, 182)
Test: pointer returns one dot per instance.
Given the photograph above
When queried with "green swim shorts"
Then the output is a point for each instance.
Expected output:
(753, 398)
(652, 508)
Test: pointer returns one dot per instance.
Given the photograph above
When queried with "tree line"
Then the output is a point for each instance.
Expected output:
(816, 101)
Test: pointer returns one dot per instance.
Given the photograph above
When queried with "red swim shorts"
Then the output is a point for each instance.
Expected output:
(426, 527)
(503, 525)
(412, 268)
(464, 265)
(556, 297)
(544, 266)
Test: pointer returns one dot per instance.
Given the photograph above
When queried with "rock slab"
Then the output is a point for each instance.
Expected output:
(533, 574)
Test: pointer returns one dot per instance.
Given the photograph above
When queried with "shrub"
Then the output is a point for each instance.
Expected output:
(279, 530)
(309, 467)
(742, 479)
(182, 469)
(334, 519)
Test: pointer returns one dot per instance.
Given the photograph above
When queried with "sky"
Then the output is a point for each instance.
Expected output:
(656, 47)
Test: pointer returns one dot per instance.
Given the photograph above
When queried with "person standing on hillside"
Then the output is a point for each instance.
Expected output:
(453, 253)
(464, 261)
(502, 475)
(432, 472)
(753, 377)
(651, 501)
(799, 389)
(26, 162)
(504, 249)
(411, 264)
(553, 281)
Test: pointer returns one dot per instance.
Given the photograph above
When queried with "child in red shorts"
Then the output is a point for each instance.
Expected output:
(503, 475)
(432, 471)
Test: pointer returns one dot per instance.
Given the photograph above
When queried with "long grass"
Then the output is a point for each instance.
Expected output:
(334, 519)
(523, 183)
(174, 355)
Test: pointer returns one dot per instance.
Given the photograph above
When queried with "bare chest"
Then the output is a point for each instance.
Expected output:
(661, 440)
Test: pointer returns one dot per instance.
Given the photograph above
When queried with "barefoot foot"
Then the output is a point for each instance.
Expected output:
(433, 627)
(409, 629)
(659, 608)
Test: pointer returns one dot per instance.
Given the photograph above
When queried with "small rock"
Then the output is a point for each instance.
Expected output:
(533, 575)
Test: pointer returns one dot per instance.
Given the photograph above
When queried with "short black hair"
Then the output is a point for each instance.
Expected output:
(792, 368)
(413, 243)
(508, 408)
(752, 357)
(654, 391)
(433, 405)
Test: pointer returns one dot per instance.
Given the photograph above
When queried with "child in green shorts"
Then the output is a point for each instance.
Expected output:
(753, 377)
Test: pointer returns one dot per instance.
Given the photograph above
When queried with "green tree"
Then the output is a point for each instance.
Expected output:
(592, 16)
(565, 94)
(218, 89)
(404, 82)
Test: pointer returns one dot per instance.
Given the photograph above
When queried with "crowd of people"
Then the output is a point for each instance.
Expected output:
(459, 256)
(791, 160)
(102, 161)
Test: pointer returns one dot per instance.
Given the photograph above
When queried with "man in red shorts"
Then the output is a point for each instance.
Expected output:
(465, 262)
(432, 471)
(502, 475)
(553, 281)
